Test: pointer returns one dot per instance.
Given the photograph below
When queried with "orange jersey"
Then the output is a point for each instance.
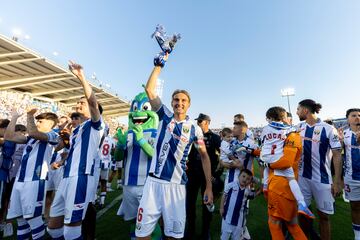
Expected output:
(290, 158)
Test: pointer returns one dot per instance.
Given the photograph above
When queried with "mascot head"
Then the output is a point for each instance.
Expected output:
(140, 113)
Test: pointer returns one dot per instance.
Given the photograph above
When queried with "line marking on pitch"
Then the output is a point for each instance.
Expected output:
(104, 210)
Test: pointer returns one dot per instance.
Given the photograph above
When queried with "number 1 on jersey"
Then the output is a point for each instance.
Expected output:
(273, 147)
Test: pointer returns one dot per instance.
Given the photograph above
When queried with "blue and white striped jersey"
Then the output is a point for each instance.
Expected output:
(235, 203)
(172, 146)
(84, 147)
(318, 140)
(36, 158)
(244, 157)
(137, 162)
(352, 158)
(105, 152)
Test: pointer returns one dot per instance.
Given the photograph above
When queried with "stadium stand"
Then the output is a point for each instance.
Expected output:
(26, 77)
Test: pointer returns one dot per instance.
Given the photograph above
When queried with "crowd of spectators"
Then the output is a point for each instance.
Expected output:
(20, 101)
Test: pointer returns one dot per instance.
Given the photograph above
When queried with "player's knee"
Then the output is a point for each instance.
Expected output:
(74, 224)
(324, 217)
(56, 222)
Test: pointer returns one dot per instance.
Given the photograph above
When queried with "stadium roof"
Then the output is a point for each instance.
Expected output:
(22, 69)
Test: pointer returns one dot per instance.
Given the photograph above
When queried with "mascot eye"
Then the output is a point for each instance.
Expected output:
(134, 107)
(146, 107)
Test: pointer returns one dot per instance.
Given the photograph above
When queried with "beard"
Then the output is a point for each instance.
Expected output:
(302, 118)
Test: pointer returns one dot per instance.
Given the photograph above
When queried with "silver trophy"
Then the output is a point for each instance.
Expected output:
(166, 43)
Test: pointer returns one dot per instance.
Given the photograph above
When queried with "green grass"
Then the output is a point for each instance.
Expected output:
(111, 226)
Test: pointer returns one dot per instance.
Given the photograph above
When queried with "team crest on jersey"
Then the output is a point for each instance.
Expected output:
(186, 130)
(317, 132)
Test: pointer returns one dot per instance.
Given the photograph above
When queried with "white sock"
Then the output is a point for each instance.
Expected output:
(56, 232)
(265, 179)
(108, 185)
(356, 229)
(295, 189)
(73, 232)
(102, 198)
(37, 227)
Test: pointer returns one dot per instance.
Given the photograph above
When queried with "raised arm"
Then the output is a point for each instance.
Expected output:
(10, 133)
(32, 129)
(150, 87)
(77, 70)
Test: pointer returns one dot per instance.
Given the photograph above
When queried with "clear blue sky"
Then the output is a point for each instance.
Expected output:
(234, 57)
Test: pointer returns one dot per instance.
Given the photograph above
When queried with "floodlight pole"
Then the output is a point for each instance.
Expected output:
(287, 93)
(288, 99)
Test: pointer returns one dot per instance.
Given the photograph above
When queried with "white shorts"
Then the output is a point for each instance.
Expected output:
(72, 198)
(229, 231)
(320, 192)
(54, 178)
(161, 198)
(27, 199)
(130, 202)
(352, 192)
(104, 174)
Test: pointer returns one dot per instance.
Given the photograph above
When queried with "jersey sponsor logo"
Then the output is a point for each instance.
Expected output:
(180, 138)
(163, 154)
(289, 143)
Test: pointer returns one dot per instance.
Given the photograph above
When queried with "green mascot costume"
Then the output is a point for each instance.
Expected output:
(137, 147)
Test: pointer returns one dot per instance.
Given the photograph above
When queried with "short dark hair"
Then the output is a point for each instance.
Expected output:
(289, 115)
(4, 123)
(275, 113)
(48, 116)
(76, 115)
(239, 115)
(352, 110)
(181, 91)
(311, 105)
(225, 131)
(241, 123)
(247, 171)
(20, 128)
